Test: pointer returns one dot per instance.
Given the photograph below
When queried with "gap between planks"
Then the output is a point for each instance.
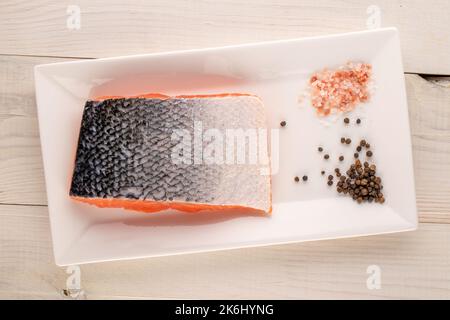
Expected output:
(425, 76)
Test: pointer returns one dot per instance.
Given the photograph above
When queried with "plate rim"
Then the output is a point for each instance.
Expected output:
(41, 69)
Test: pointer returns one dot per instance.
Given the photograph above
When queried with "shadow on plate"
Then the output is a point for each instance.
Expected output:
(173, 218)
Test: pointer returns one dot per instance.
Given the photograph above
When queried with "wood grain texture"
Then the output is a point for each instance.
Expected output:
(429, 113)
(413, 265)
(115, 27)
(21, 170)
(21, 164)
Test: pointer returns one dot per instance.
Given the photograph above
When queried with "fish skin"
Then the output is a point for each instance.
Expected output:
(125, 146)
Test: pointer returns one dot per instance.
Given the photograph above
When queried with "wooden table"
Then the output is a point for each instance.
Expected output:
(413, 264)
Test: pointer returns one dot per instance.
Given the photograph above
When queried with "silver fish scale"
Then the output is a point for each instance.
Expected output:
(125, 148)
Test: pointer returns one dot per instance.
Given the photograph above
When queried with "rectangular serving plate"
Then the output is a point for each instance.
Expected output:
(277, 72)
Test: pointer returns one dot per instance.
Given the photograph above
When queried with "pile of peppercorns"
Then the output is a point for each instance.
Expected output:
(361, 183)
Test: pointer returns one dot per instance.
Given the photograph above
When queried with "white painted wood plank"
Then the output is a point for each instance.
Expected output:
(413, 265)
(429, 113)
(117, 27)
(21, 170)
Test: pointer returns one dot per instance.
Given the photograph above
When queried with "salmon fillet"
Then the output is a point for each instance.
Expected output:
(125, 154)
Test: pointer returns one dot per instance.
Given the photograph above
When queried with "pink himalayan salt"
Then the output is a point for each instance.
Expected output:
(340, 89)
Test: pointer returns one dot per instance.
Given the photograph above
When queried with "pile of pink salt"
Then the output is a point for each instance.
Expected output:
(341, 89)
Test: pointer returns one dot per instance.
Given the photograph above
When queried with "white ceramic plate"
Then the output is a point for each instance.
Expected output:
(277, 72)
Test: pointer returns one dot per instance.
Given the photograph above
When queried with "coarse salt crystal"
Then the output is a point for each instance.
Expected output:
(340, 90)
